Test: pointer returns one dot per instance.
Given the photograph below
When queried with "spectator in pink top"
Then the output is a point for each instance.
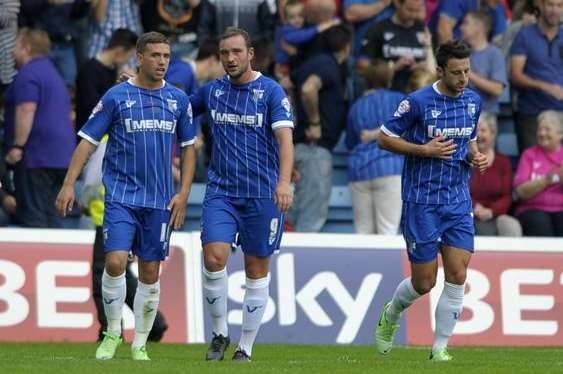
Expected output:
(539, 180)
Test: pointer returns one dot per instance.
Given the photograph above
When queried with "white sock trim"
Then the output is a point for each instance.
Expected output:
(215, 274)
(258, 283)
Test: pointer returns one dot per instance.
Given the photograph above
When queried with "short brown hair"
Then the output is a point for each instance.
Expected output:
(152, 37)
(378, 76)
(235, 31)
(38, 41)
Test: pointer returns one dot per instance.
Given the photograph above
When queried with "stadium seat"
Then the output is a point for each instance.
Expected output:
(339, 176)
(507, 144)
(506, 125)
(340, 213)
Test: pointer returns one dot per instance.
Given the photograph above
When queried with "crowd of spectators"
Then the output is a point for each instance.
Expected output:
(345, 64)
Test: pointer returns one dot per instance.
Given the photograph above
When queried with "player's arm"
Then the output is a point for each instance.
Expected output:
(284, 193)
(180, 200)
(477, 159)
(187, 138)
(65, 198)
(439, 147)
(92, 132)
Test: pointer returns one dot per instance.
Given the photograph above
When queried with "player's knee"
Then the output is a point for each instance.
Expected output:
(456, 276)
(214, 262)
(115, 267)
(423, 286)
(148, 277)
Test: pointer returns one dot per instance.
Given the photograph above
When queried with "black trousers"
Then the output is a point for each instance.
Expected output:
(540, 223)
(36, 191)
(98, 263)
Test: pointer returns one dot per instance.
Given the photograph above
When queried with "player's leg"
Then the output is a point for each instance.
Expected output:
(145, 306)
(260, 236)
(219, 227)
(118, 232)
(458, 243)
(150, 247)
(419, 223)
(450, 303)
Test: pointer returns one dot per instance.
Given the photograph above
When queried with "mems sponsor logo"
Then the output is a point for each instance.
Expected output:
(237, 119)
(149, 125)
(451, 132)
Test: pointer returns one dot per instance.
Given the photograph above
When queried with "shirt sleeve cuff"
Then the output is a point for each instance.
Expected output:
(474, 139)
(83, 135)
(188, 142)
(389, 132)
(282, 124)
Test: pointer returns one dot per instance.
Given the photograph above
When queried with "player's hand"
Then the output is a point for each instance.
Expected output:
(283, 196)
(440, 148)
(65, 199)
(480, 161)
(177, 208)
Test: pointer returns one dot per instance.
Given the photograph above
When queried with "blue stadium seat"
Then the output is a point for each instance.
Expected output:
(507, 144)
(339, 176)
(506, 125)
(340, 212)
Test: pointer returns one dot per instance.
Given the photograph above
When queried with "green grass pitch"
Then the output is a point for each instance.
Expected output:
(175, 358)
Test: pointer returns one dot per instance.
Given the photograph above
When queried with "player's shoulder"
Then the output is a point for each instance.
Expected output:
(175, 91)
(268, 83)
(422, 95)
(471, 95)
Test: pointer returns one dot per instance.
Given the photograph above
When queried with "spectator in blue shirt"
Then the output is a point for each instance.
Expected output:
(374, 173)
(364, 14)
(294, 33)
(488, 71)
(537, 70)
(445, 23)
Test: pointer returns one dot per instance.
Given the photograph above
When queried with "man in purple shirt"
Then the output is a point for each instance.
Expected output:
(39, 137)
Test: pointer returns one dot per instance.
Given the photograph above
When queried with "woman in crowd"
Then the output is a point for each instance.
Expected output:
(539, 180)
(491, 192)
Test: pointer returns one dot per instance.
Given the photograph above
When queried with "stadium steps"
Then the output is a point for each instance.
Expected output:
(340, 213)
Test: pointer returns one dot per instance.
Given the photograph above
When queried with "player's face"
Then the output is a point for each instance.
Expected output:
(455, 75)
(486, 137)
(549, 134)
(235, 56)
(551, 11)
(154, 61)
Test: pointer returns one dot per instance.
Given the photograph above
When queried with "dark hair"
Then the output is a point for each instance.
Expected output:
(152, 37)
(378, 75)
(235, 31)
(336, 38)
(452, 49)
(208, 48)
(484, 17)
(124, 38)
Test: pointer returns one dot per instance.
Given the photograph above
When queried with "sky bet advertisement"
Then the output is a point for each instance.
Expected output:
(325, 289)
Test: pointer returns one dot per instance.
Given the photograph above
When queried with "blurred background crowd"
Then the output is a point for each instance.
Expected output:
(346, 64)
